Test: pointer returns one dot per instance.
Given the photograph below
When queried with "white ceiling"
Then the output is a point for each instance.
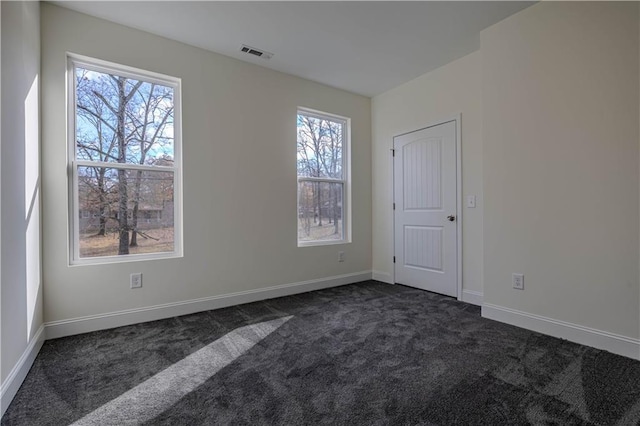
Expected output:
(366, 47)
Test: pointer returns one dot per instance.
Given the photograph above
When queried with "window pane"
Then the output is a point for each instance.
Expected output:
(127, 211)
(320, 211)
(320, 143)
(123, 120)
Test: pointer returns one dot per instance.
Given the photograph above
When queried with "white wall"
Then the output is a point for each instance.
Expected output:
(560, 136)
(440, 94)
(240, 187)
(21, 290)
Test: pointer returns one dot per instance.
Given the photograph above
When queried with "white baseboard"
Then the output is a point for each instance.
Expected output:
(614, 343)
(17, 375)
(87, 324)
(471, 296)
(382, 277)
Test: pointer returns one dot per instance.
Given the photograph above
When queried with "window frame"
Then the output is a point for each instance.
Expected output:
(73, 209)
(345, 181)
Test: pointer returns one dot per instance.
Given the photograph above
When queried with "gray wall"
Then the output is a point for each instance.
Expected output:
(21, 301)
(438, 95)
(550, 144)
(560, 137)
(239, 144)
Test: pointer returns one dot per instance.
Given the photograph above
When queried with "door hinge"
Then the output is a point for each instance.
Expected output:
(394, 206)
(394, 259)
(393, 152)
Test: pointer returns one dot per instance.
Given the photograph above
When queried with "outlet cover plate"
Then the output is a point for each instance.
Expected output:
(136, 280)
(518, 281)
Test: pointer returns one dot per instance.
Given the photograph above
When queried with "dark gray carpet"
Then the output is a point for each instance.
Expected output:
(363, 354)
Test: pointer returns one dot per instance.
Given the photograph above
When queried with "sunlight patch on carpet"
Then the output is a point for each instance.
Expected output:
(151, 397)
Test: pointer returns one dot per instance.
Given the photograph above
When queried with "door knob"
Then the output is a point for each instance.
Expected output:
(451, 218)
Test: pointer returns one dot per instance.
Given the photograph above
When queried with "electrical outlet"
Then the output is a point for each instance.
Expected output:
(518, 281)
(340, 256)
(136, 280)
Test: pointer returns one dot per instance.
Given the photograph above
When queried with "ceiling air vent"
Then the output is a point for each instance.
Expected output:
(255, 52)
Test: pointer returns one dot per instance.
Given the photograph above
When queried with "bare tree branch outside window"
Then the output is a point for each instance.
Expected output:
(321, 180)
(125, 157)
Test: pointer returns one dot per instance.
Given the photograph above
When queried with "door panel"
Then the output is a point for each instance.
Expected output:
(423, 247)
(425, 195)
(422, 185)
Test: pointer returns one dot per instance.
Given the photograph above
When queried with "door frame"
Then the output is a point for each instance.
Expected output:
(458, 120)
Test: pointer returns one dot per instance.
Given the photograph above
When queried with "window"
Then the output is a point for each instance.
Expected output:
(323, 178)
(124, 154)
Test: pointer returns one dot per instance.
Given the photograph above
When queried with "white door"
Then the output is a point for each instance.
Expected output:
(425, 201)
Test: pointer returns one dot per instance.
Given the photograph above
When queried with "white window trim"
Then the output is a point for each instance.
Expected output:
(345, 181)
(73, 61)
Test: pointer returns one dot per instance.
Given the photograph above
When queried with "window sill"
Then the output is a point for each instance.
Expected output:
(125, 258)
(322, 243)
